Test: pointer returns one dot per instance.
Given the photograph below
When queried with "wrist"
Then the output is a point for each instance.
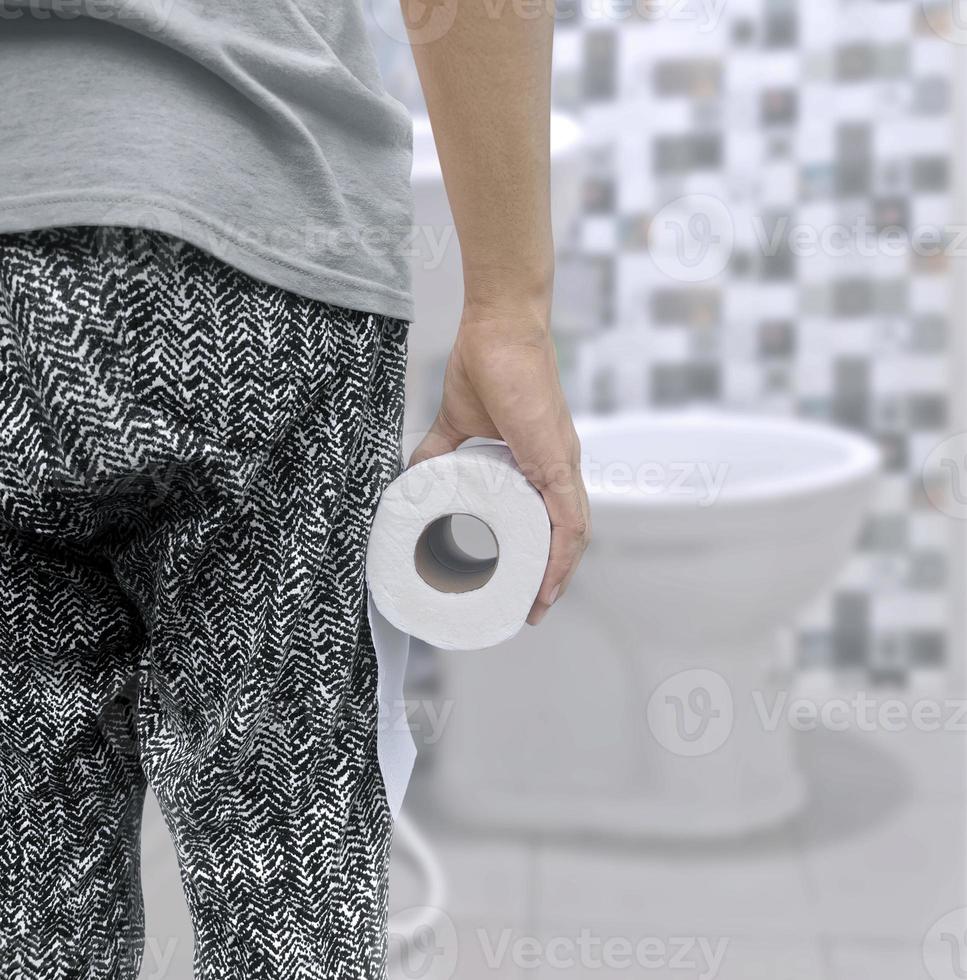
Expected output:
(513, 324)
(501, 292)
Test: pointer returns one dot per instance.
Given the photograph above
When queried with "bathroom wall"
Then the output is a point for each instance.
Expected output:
(767, 212)
(766, 227)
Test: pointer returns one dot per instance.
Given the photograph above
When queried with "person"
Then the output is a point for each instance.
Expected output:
(203, 331)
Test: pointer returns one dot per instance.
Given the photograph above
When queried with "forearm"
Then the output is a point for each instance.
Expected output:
(487, 83)
(487, 88)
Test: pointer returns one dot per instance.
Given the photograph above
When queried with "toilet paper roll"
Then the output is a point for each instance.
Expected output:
(424, 584)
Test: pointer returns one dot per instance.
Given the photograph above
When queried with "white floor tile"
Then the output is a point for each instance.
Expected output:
(640, 953)
(740, 893)
(883, 961)
(487, 880)
(459, 951)
(892, 881)
(785, 961)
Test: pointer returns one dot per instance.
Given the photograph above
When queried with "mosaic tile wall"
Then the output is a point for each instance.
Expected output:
(797, 158)
(766, 181)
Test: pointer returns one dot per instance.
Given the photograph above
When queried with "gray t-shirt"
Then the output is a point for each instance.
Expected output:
(258, 131)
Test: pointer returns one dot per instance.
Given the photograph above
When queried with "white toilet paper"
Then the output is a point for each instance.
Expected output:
(395, 748)
(421, 581)
(461, 603)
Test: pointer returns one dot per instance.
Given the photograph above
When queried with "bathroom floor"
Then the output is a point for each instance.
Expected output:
(847, 891)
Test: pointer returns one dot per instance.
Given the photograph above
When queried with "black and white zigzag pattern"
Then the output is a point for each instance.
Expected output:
(189, 466)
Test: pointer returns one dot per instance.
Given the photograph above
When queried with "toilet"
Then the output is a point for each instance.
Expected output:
(645, 702)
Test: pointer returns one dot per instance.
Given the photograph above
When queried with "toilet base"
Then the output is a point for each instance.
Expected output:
(696, 744)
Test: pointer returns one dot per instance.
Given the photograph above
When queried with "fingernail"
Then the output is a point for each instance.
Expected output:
(554, 595)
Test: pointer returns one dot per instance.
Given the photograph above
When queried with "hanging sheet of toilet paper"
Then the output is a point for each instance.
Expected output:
(422, 583)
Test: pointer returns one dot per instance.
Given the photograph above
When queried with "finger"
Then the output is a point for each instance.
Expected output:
(441, 438)
(567, 508)
(566, 551)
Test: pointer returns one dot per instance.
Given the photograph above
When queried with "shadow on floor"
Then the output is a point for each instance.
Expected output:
(853, 785)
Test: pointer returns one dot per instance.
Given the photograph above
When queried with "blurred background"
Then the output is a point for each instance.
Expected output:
(736, 750)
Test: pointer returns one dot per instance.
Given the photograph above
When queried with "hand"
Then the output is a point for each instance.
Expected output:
(502, 383)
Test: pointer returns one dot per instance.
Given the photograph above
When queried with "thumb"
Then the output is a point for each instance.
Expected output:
(441, 438)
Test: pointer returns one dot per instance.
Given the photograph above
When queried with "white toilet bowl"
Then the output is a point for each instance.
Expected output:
(643, 703)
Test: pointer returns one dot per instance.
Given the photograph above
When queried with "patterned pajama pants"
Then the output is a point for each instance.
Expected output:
(190, 461)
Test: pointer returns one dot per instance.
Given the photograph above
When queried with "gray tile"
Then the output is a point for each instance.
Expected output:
(690, 77)
(692, 152)
(931, 95)
(930, 174)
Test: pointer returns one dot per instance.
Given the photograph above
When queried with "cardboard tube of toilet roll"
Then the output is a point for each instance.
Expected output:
(424, 583)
